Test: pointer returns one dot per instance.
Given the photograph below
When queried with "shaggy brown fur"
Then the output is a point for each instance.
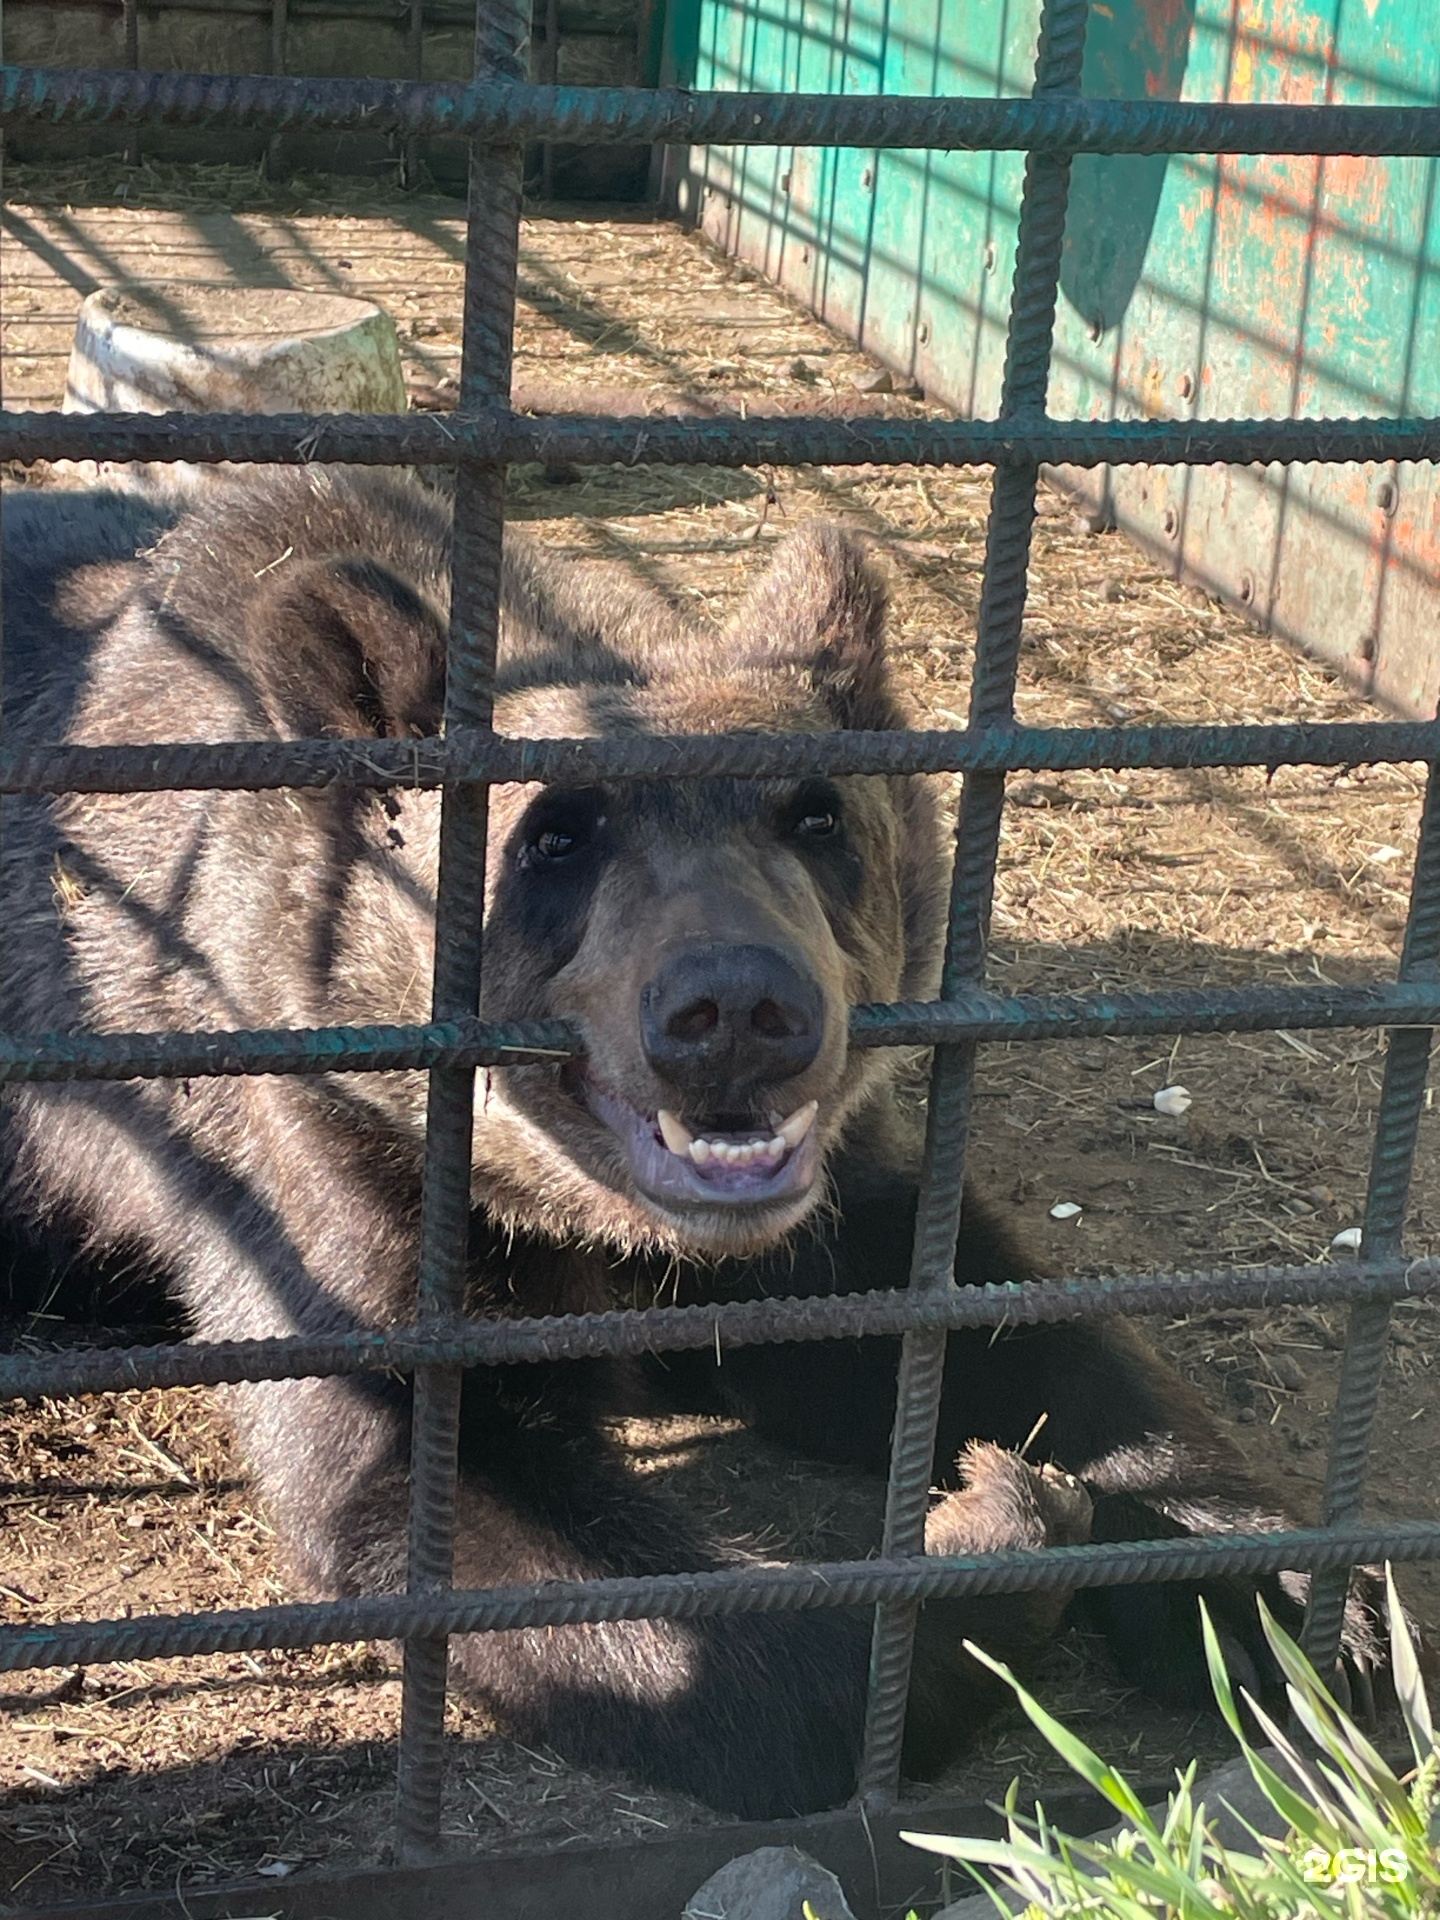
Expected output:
(707, 937)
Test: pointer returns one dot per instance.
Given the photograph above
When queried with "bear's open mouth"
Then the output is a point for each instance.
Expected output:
(703, 1163)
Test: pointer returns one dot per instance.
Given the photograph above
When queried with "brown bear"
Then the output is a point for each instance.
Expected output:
(718, 1138)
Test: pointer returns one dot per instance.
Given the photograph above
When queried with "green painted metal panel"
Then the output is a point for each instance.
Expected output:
(1191, 287)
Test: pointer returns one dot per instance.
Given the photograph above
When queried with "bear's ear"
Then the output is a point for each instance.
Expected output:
(344, 648)
(821, 609)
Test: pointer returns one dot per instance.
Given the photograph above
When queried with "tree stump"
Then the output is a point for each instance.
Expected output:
(163, 349)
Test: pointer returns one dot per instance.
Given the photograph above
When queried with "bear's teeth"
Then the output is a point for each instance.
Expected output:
(731, 1153)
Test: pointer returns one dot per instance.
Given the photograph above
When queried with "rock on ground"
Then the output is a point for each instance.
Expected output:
(773, 1883)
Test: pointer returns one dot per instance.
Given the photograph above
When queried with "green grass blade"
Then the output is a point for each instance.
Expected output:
(1326, 1721)
(1315, 1817)
(1072, 1749)
(1220, 1677)
(1406, 1676)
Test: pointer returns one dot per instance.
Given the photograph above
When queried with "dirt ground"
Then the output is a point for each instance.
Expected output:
(185, 1772)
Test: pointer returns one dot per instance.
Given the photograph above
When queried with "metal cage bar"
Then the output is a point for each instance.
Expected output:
(455, 1340)
(444, 440)
(410, 161)
(491, 260)
(497, 114)
(130, 29)
(2, 405)
(1392, 1163)
(973, 1014)
(629, 116)
(478, 756)
(387, 13)
(691, 1596)
(279, 64)
(1024, 387)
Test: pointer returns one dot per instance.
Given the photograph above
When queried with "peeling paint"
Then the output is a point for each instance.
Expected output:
(1161, 20)
(1278, 286)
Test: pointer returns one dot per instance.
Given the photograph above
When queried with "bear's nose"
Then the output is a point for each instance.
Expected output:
(721, 1021)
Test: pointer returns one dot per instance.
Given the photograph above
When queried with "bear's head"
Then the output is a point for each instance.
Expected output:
(707, 937)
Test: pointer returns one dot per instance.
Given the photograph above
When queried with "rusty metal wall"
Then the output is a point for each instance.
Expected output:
(1279, 286)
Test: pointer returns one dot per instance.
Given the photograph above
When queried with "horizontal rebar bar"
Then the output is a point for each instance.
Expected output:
(260, 765)
(974, 1014)
(689, 1596)
(439, 14)
(599, 116)
(40, 1376)
(718, 440)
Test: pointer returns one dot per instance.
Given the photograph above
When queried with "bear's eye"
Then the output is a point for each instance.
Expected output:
(815, 826)
(554, 843)
(814, 813)
(562, 826)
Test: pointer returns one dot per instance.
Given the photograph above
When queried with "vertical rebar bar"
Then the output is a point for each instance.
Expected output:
(1392, 1163)
(2, 404)
(491, 258)
(130, 26)
(415, 51)
(279, 61)
(1002, 606)
(551, 78)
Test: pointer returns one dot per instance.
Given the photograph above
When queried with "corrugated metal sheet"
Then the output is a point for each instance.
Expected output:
(1192, 287)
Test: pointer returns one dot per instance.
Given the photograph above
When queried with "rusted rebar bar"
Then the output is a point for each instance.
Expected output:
(1024, 387)
(488, 324)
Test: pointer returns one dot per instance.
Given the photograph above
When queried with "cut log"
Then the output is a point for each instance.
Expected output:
(165, 349)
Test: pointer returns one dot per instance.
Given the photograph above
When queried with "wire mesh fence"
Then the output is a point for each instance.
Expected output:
(497, 114)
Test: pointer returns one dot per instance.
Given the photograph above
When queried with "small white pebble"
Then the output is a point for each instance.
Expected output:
(276, 1869)
(1174, 1101)
(1347, 1240)
(1065, 1210)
